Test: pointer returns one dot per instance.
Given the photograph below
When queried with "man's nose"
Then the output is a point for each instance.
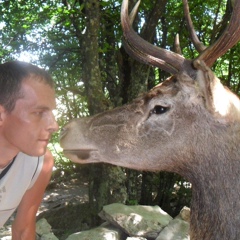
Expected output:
(55, 126)
(52, 124)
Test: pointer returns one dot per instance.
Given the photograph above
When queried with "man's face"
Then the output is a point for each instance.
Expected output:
(29, 126)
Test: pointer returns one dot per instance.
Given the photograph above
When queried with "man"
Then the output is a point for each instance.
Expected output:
(27, 99)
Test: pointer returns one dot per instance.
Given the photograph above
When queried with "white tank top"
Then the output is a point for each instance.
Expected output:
(20, 177)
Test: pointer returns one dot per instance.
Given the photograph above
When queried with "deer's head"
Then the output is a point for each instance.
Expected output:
(169, 125)
(189, 124)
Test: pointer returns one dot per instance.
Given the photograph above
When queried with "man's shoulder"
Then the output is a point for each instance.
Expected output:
(29, 164)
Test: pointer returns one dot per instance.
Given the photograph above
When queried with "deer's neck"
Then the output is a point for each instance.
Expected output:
(216, 191)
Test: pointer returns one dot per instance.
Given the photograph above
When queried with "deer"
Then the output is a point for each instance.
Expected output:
(189, 124)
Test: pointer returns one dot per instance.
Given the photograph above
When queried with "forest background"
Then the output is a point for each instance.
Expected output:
(80, 43)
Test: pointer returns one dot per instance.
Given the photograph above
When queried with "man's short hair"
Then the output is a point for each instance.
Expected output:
(11, 76)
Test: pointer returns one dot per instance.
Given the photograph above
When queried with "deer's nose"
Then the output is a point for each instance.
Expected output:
(63, 132)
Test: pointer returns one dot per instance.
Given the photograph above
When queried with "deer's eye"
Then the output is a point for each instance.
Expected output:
(158, 109)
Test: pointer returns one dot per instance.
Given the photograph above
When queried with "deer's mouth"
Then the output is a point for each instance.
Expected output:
(82, 155)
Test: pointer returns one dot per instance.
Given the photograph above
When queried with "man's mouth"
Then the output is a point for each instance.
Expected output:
(44, 140)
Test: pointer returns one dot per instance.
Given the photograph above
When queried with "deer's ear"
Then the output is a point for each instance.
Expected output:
(219, 100)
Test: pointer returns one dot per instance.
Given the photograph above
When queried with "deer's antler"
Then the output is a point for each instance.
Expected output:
(227, 40)
(170, 61)
(195, 40)
(144, 51)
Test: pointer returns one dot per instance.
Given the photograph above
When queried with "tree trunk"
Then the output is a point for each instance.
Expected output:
(103, 179)
(91, 71)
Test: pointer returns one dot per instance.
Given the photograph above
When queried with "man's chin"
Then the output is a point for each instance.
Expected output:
(37, 153)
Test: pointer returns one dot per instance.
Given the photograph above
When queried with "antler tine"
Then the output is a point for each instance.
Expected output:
(177, 47)
(194, 38)
(134, 12)
(227, 40)
(145, 52)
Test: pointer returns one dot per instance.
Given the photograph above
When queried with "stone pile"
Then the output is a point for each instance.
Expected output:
(137, 223)
(125, 223)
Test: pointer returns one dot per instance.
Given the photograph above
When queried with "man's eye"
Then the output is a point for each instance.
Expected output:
(158, 109)
(38, 113)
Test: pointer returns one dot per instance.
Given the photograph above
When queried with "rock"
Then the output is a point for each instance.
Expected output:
(185, 214)
(42, 227)
(48, 236)
(103, 232)
(178, 228)
(44, 230)
(138, 221)
(136, 238)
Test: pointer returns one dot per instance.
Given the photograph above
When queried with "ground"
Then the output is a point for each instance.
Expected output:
(65, 206)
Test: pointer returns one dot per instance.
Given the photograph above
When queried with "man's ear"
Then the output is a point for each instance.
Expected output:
(2, 114)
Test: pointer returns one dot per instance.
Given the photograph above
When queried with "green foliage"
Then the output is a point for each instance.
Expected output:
(132, 202)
